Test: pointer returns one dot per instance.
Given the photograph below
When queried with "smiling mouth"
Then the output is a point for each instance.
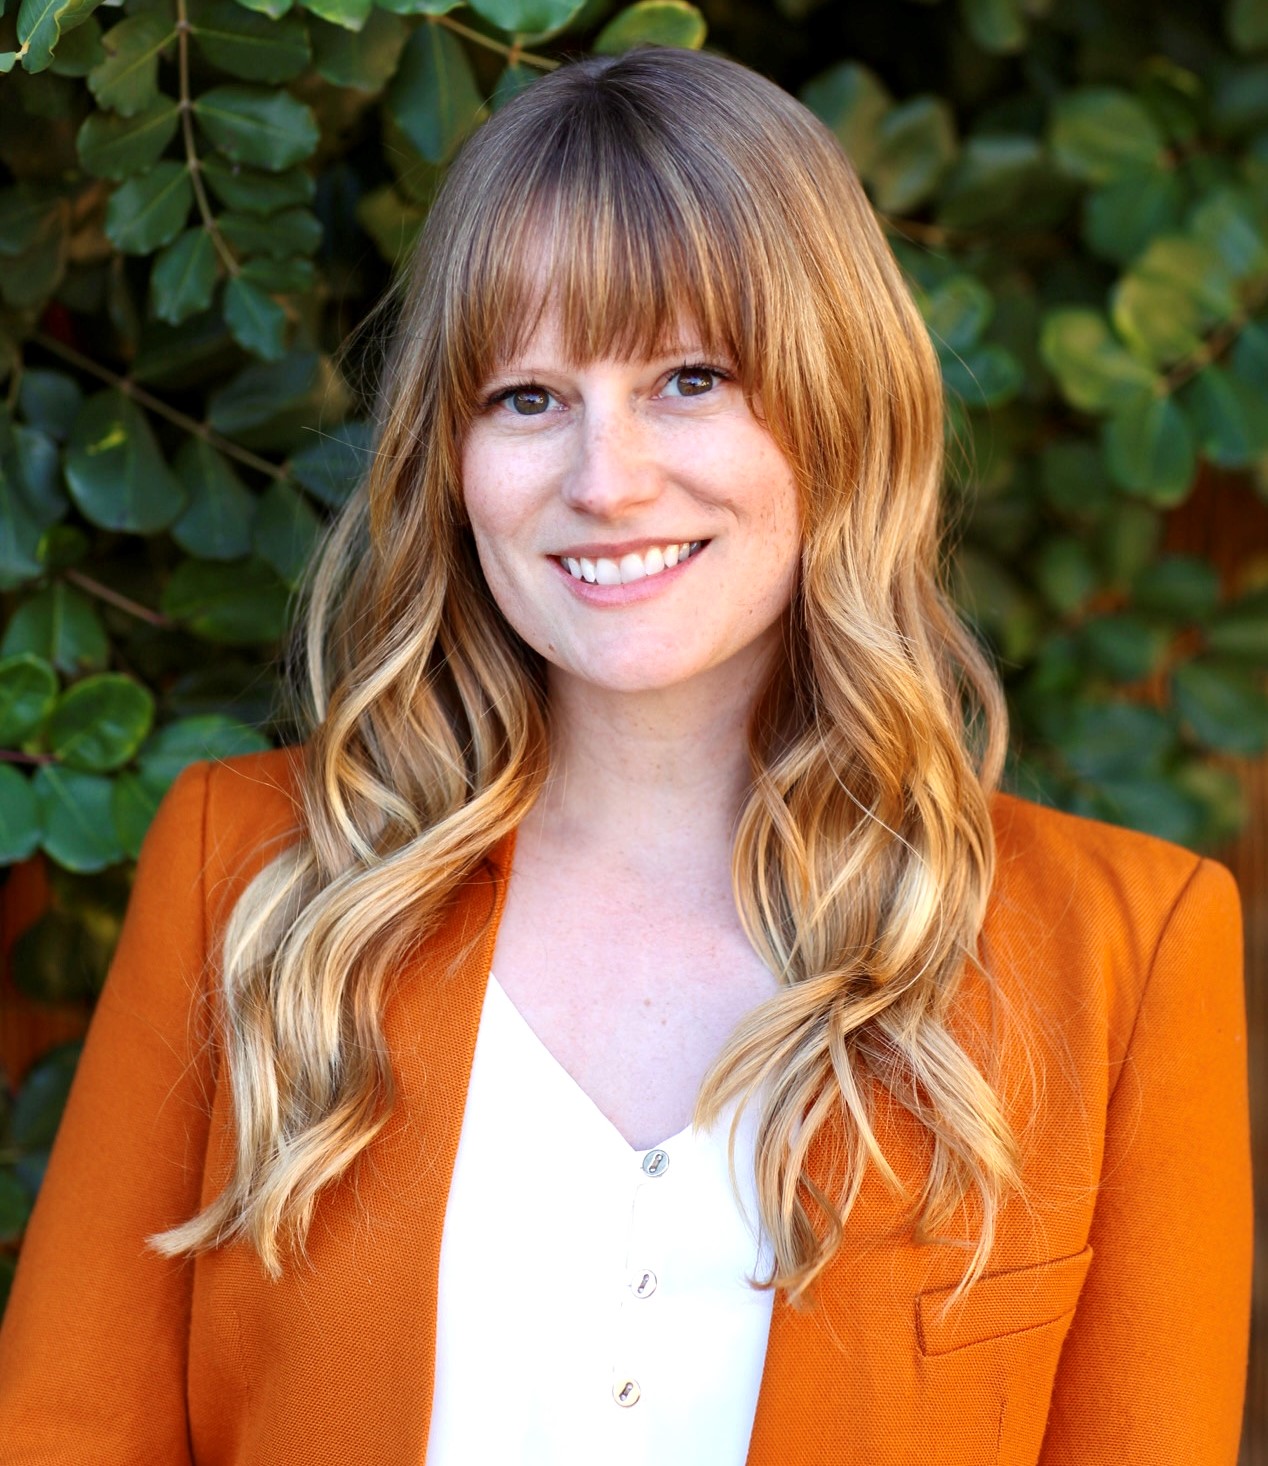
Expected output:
(633, 566)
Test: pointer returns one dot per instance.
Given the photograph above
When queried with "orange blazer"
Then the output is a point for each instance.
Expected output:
(1111, 1327)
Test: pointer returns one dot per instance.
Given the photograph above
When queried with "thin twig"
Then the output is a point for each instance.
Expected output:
(104, 593)
(192, 160)
(160, 408)
(512, 53)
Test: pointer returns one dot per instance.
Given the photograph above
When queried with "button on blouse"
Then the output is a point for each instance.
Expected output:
(594, 1299)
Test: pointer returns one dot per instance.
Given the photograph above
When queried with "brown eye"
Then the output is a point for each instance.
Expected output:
(693, 381)
(527, 401)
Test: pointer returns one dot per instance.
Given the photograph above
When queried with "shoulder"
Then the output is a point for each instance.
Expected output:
(1081, 909)
(229, 818)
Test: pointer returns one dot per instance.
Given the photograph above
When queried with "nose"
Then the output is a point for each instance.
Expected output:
(614, 467)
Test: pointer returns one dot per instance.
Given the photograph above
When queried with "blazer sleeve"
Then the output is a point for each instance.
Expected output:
(94, 1343)
(1154, 1366)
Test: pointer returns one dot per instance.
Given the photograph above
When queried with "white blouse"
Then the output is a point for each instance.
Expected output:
(594, 1303)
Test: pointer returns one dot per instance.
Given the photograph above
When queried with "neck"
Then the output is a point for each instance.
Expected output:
(649, 771)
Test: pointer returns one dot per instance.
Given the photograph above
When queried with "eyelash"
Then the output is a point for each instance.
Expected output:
(503, 393)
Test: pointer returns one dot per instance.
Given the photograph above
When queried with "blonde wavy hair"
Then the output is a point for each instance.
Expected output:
(640, 191)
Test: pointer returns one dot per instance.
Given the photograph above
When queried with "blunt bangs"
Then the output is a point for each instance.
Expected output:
(625, 226)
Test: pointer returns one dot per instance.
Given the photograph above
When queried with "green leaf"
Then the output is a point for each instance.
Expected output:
(1249, 359)
(61, 546)
(1073, 477)
(60, 625)
(79, 51)
(350, 15)
(989, 181)
(209, 736)
(1160, 321)
(332, 466)
(79, 831)
(1241, 630)
(289, 232)
(247, 44)
(19, 536)
(514, 79)
(38, 470)
(1195, 266)
(20, 827)
(281, 277)
(63, 957)
(1115, 740)
(1100, 134)
(253, 191)
(216, 525)
(127, 80)
(1247, 22)
(420, 7)
(241, 603)
(111, 146)
(115, 470)
(1124, 646)
(993, 599)
(1153, 805)
(852, 101)
(1126, 541)
(998, 26)
(985, 376)
(274, 9)
(271, 403)
(1228, 222)
(1223, 706)
(1149, 449)
(958, 311)
(526, 17)
(286, 532)
(150, 209)
(391, 222)
(267, 129)
(434, 98)
(38, 1105)
(184, 277)
(915, 145)
(1095, 372)
(256, 321)
(24, 213)
(28, 689)
(49, 401)
(653, 23)
(41, 22)
(134, 801)
(1120, 218)
(1181, 587)
(15, 1207)
(1065, 573)
(100, 723)
(28, 279)
(364, 59)
(1229, 417)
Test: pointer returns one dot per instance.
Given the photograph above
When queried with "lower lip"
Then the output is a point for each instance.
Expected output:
(632, 591)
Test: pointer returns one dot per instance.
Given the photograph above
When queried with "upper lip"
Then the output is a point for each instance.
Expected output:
(613, 551)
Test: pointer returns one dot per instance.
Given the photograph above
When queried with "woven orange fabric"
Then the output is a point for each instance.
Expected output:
(1111, 1327)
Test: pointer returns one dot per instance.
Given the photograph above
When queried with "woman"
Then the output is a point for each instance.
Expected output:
(629, 679)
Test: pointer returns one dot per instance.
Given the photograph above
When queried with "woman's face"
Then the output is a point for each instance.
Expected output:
(635, 522)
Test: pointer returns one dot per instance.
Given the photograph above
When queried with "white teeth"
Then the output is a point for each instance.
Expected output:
(632, 566)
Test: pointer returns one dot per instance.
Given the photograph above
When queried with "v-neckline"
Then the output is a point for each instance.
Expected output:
(537, 1043)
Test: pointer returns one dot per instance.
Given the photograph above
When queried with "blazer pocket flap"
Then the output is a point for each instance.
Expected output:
(1000, 1303)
